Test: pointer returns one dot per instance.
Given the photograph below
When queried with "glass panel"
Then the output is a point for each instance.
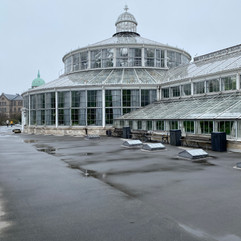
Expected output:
(228, 83)
(144, 76)
(149, 125)
(26, 102)
(149, 57)
(165, 93)
(50, 117)
(40, 101)
(64, 116)
(107, 57)
(139, 125)
(50, 100)
(94, 117)
(64, 99)
(78, 117)
(171, 59)
(186, 89)
(175, 91)
(32, 101)
(122, 57)
(76, 62)
(40, 117)
(94, 98)
(84, 60)
(96, 58)
(199, 88)
(75, 98)
(126, 97)
(112, 98)
(33, 117)
(78, 98)
(189, 126)
(206, 127)
(111, 114)
(227, 126)
(147, 97)
(135, 57)
(173, 125)
(174, 59)
(160, 125)
(213, 85)
(68, 63)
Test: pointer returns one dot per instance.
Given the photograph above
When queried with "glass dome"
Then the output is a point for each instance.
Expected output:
(126, 22)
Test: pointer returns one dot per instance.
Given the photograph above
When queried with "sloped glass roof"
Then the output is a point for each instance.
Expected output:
(127, 40)
(123, 76)
(222, 106)
(196, 69)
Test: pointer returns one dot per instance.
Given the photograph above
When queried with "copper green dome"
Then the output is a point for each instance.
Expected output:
(38, 81)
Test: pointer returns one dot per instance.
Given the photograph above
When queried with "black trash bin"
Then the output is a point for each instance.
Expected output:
(219, 141)
(175, 137)
(108, 132)
(126, 132)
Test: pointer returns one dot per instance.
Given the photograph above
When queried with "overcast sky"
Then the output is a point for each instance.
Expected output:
(36, 34)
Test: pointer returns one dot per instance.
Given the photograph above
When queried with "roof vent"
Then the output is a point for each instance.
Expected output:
(132, 143)
(92, 137)
(193, 154)
(238, 166)
(153, 146)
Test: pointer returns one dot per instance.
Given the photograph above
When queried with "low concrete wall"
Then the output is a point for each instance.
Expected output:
(62, 131)
(234, 146)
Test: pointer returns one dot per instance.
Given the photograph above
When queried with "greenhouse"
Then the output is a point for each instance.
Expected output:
(128, 80)
(195, 115)
(103, 81)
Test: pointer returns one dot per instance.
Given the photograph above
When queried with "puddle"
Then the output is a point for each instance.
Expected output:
(204, 162)
(85, 154)
(30, 141)
(48, 150)
(86, 172)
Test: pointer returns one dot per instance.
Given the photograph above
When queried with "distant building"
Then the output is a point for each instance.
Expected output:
(10, 104)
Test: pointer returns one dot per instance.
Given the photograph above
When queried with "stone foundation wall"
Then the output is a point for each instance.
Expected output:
(234, 146)
(62, 131)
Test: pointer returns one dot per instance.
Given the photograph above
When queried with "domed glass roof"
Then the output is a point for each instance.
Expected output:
(38, 81)
(126, 23)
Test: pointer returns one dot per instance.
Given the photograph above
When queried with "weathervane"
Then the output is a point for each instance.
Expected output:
(126, 8)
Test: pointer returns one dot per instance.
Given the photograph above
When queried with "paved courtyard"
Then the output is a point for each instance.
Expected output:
(70, 188)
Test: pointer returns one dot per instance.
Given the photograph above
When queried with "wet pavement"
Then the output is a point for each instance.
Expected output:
(70, 188)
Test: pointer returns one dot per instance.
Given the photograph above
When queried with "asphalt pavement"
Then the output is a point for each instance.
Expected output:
(61, 188)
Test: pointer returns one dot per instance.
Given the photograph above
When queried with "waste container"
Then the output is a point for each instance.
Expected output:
(126, 132)
(108, 132)
(219, 141)
(175, 137)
